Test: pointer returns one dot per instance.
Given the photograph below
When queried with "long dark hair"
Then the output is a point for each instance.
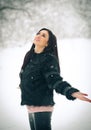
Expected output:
(51, 48)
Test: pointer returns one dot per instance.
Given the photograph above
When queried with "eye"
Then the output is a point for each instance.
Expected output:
(38, 33)
(43, 35)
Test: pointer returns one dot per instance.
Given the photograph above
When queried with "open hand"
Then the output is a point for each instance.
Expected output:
(81, 96)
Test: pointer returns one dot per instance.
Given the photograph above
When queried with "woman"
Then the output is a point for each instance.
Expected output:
(40, 75)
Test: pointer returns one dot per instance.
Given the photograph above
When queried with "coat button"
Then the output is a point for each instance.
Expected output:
(32, 77)
(51, 75)
(51, 66)
(31, 60)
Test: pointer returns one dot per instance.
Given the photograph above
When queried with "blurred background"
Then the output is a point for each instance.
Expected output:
(70, 20)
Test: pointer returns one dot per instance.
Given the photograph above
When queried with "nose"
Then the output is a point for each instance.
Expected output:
(38, 37)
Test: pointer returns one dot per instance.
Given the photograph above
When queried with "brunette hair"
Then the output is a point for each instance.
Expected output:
(51, 48)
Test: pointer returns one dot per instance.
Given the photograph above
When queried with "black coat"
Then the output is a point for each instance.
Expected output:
(38, 80)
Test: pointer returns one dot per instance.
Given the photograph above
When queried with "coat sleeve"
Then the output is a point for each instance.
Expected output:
(55, 81)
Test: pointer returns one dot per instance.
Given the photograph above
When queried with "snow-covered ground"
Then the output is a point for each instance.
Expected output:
(75, 62)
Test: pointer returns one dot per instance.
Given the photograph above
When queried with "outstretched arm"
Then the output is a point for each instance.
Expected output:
(81, 96)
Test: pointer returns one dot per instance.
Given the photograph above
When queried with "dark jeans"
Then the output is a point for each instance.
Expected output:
(40, 120)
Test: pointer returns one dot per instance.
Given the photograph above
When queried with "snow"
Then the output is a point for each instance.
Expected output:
(75, 59)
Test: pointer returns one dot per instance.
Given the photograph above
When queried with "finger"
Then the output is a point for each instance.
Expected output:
(86, 99)
(84, 94)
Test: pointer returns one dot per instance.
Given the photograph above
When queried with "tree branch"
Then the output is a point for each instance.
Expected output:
(14, 8)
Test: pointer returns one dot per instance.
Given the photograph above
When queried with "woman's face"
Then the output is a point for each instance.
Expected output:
(41, 38)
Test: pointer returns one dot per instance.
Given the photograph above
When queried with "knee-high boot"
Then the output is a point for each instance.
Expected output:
(31, 121)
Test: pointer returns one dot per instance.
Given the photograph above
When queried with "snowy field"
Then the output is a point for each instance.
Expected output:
(75, 62)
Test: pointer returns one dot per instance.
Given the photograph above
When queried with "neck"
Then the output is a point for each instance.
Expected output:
(38, 49)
